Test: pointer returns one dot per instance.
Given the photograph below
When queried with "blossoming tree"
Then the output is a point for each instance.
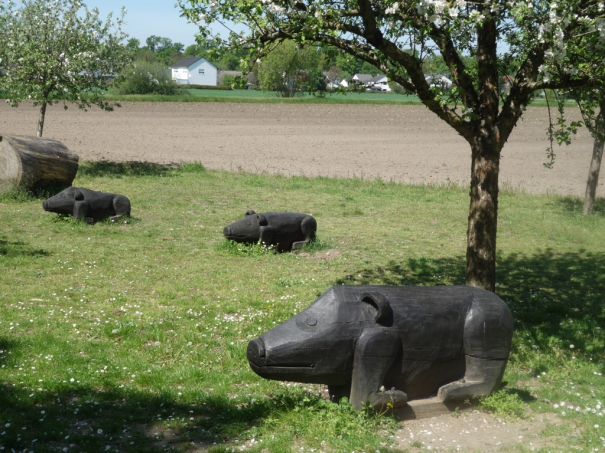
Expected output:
(522, 39)
(593, 111)
(58, 50)
(587, 56)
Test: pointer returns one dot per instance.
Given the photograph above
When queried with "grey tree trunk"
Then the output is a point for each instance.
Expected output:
(41, 119)
(595, 164)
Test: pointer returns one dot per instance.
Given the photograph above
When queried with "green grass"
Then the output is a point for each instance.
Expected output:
(265, 97)
(133, 335)
(253, 96)
(504, 403)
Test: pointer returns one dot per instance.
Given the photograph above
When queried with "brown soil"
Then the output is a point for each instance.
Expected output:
(400, 143)
(474, 431)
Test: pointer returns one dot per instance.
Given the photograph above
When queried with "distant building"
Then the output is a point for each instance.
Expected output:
(194, 71)
(438, 80)
(331, 80)
(361, 79)
(378, 83)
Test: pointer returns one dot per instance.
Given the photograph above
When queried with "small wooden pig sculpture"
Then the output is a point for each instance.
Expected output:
(88, 205)
(284, 230)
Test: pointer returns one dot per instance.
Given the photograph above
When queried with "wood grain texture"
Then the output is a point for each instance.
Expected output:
(36, 163)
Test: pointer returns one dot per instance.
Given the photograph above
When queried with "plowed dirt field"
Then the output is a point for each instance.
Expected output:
(401, 143)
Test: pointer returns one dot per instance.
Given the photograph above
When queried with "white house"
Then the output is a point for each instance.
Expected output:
(378, 83)
(374, 83)
(194, 71)
(361, 79)
(438, 80)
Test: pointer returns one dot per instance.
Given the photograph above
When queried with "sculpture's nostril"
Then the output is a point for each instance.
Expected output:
(226, 231)
(256, 351)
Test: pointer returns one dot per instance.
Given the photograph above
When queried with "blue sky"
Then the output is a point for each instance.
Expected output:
(149, 17)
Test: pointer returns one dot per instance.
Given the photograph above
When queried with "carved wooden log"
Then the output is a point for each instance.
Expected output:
(36, 163)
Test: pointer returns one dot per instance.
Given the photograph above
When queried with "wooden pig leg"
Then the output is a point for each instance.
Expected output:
(307, 228)
(374, 354)
(266, 236)
(481, 378)
(121, 206)
(80, 211)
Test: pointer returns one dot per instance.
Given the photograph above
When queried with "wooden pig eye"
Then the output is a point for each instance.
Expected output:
(311, 322)
(62, 195)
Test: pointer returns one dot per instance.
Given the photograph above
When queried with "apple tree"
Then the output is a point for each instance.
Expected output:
(58, 51)
(480, 41)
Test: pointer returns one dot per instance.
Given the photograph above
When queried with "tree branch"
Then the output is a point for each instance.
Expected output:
(457, 67)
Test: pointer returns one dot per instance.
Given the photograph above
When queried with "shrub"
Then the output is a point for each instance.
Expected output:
(396, 88)
(147, 78)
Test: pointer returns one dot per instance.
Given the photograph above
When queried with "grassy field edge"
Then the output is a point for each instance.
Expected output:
(133, 335)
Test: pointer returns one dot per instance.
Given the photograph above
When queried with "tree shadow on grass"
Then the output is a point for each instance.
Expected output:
(556, 297)
(118, 419)
(13, 249)
(124, 420)
(574, 205)
(134, 168)
(113, 169)
(70, 416)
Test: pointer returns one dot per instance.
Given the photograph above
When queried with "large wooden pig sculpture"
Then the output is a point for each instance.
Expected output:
(392, 343)
(88, 205)
(284, 230)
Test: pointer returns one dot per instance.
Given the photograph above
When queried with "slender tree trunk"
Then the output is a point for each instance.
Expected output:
(41, 119)
(595, 163)
(483, 215)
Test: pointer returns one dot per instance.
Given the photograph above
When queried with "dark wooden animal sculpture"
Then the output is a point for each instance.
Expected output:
(88, 205)
(392, 344)
(284, 230)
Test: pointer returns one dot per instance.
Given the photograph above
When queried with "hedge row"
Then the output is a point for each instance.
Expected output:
(204, 87)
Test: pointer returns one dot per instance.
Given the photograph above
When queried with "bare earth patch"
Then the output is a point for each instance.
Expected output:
(474, 431)
(400, 143)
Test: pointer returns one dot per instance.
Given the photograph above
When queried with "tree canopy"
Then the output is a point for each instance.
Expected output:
(58, 51)
(290, 69)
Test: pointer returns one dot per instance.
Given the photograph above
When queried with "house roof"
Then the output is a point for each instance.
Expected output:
(188, 61)
(362, 77)
(376, 78)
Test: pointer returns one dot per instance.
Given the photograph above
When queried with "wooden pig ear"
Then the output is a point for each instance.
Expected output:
(250, 212)
(78, 195)
(262, 220)
(380, 303)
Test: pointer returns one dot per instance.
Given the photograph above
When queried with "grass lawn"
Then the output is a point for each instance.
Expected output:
(132, 337)
(253, 96)
(266, 97)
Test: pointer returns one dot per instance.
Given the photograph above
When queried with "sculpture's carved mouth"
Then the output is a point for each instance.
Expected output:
(237, 237)
(281, 369)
